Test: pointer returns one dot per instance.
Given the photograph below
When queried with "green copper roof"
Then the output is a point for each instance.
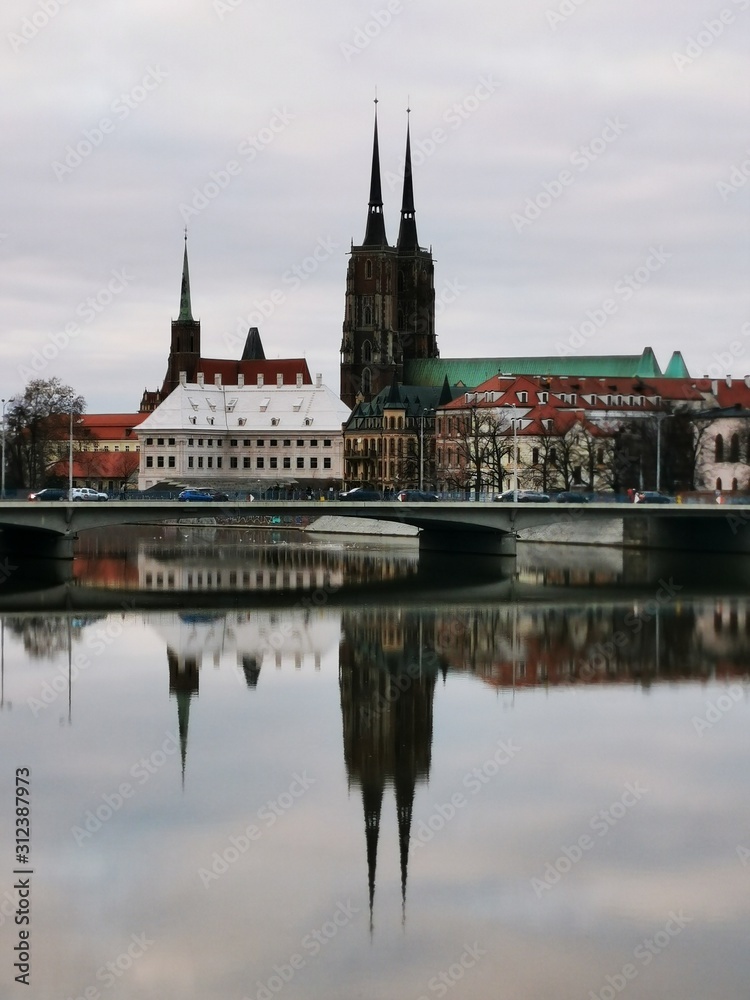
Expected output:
(676, 367)
(471, 372)
(186, 314)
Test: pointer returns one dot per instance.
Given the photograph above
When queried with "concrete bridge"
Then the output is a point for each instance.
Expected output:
(49, 529)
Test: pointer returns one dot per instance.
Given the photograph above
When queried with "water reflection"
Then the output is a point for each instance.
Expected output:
(379, 707)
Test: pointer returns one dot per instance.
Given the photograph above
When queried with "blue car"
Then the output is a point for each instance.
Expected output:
(200, 496)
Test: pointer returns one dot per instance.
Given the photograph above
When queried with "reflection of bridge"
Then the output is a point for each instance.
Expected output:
(49, 528)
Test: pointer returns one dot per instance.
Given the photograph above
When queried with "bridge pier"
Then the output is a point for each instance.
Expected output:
(483, 543)
(25, 543)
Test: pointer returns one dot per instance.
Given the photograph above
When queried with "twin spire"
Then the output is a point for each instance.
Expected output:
(186, 314)
(375, 231)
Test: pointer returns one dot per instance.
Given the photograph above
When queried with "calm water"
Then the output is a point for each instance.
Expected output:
(323, 771)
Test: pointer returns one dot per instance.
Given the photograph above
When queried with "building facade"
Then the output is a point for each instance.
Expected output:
(244, 437)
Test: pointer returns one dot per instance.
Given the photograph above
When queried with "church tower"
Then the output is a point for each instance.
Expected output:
(389, 314)
(185, 346)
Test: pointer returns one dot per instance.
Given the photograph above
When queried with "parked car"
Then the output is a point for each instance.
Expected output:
(361, 494)
(416, 496)
(85, 493)
(196, 495)
(651, 496)
(49, 494)
(524, 496)
(568, 496)
(218, 496)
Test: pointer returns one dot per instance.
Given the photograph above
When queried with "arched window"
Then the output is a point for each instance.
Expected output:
(734, 448)
(400, 423)
(368, 316)
(718, 484)
(535, 456)
(735, 486)
(719, 449)
(366, 381)
(368, 268)
(367, 352)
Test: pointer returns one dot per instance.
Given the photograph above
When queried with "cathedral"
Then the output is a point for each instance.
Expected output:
(389, 317)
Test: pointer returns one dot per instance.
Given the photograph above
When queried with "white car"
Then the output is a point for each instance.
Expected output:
(84, 493)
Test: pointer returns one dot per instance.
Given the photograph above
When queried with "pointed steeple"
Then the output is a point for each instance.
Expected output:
(375, 232)
(253, 349)
(445, 394)
(185, 310)
(407, 233)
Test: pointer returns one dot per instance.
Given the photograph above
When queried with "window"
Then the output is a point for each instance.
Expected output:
(210, 442)
(149, 440)
(326, 442)
(246, 442)
(326, 463)
(274, 443)
(535, 456)
(523, 396)
(719, 449)
(260, 462)
(190, 441)
(190, 461)
(287, 443)
(160, 462)
(734, 448)
(260, 443)
(274, 462)
(300, 463)
(368, 268)
(246, 462)
(233, 442)
(200, 442)
(233, 462)
(300, 443)
(171, 441)
(171, 462)
(218, 462)
(313, 442)
(149, 462)
(313, 463)
(200, 461)
(543, 397)
(210, 462)
(274, 421)
(308, 421)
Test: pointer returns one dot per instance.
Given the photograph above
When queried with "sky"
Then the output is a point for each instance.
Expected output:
(581, 172)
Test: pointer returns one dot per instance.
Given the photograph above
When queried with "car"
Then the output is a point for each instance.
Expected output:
(85, 493)
(651, 496)
(49, 494)
(361, 494)
(218, 496)
(416, 496)
(567, 496)
(523, 496)
(196, 495)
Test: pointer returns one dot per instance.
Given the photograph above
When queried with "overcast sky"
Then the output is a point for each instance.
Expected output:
(580, 171)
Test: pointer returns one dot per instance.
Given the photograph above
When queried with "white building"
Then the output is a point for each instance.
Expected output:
(245, 435)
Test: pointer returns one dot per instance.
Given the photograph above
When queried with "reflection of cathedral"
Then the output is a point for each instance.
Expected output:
(387, 681)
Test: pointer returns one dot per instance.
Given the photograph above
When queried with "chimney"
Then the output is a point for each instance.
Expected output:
(259, 381)
(318, 380)
(279, 379)
(747, 381)
(240, 381)
(299, 380)
(728, 381)
(714, 386)
(183, 378)
(200, 379)
(217, 379)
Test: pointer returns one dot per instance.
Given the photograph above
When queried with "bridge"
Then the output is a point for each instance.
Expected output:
(49, 529)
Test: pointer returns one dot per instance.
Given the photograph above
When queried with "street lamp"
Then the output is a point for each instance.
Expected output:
(70, 455)
(514, 419)
(2, 475)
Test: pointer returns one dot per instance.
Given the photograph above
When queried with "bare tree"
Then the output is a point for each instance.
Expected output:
(38, 421)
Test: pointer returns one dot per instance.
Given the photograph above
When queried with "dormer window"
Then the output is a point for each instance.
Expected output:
(264, 402)
(308, 421)
(523, 396)
(297, 404)
(543, 397)
(274, 421)
(231, 404)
